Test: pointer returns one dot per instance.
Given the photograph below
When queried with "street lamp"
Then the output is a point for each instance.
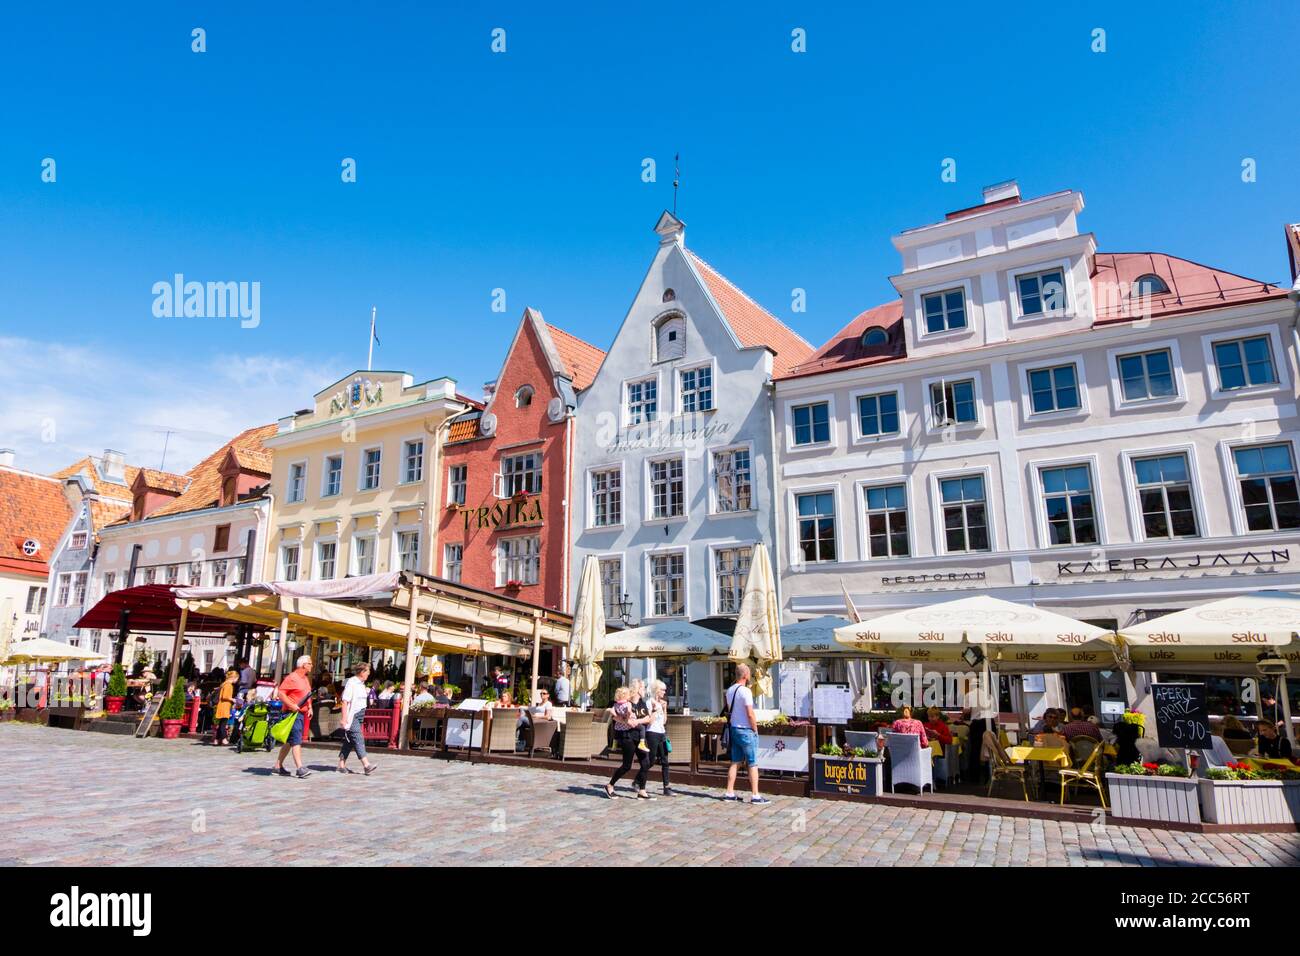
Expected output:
(625, 610)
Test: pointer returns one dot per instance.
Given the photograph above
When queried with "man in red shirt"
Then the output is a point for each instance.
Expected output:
(295, 694)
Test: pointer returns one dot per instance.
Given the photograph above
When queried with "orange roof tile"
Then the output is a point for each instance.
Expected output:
(464, 428)
(164, 480)
(581, 359)
(204, 479)
(31, 507)
(752, 324)
(108, 489)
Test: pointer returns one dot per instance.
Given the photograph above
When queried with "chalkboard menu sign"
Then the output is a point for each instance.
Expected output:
(1181, 716)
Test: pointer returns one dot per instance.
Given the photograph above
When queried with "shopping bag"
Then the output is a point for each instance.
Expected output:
(280, 732)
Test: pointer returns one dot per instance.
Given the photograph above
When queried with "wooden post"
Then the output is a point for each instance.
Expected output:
(537, 653)
(282, 647)
(175, 667)
(403, 740)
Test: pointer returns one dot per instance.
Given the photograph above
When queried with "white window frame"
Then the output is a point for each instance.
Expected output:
(63, 589)
(1132, 493)
(80, 587)
(402, 464)
(648, 579)
(1036, 466)
(1026, 395)
(361, 468)
(1228, 464)
(501, 560)
(499, 479)
(715, 606)
(622, 578)
(792, 510)
(283, 566)
(974, 375)
(463, 484)
(325, 473)
(678, 404)
(459, 563)
(855, 422)
(289, 499)
(648, 497)
(1118, 402)
(860, 498)
(939, 540)
(918, 310)
(395, 543)
(84, 537)
(1281, 367)
(711, 465)
(316, 558)
(624, 411)
(1013, 292)
(831, 423)
(354, 552)
(590, 500)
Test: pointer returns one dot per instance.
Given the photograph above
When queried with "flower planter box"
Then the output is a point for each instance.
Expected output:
(1166, 799)
(1248, 801)
(6, 715)
(848, 776)
(782, 730)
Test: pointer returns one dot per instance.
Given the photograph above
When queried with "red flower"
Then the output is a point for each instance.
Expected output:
(1151, 766)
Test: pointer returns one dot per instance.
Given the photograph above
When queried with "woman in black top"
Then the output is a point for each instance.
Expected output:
(1271, 744)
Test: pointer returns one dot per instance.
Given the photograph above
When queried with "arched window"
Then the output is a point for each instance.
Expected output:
(1150, 284)
(670, 338)
(875, 336)
(524, 397)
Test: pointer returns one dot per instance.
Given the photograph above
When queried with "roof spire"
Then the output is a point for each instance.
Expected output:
(677, 178)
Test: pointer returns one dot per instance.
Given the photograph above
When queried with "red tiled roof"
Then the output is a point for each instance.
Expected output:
(753, 324)
(31, 506)
(464, 428)
(204, 489)
(581, 359)
(163, 480)
(107, 489)
(845, 349)
(1192, 286)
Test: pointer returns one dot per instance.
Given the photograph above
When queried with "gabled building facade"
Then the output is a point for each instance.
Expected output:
(672, 480)
(1112, 435)
(34, 515)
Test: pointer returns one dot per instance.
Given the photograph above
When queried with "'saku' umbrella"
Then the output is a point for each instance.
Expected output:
(587, 639)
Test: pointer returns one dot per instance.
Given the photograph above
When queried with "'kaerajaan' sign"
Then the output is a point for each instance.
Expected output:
(1182, 562)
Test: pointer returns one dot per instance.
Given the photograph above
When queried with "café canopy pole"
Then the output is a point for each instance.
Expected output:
(409, 676)
(174, 669)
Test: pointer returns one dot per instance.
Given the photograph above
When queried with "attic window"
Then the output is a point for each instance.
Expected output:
(875, 336)
(669, 295)
(670, 338)
(1149, 284)
(524, 397)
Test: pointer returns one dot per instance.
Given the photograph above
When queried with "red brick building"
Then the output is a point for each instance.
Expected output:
(504, 524)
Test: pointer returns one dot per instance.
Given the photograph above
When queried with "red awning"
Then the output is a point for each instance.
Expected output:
(151, 607)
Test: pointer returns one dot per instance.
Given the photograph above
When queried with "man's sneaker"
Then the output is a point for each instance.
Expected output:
(759, 801)
(730, 797)
(282, 772)
(303, 772)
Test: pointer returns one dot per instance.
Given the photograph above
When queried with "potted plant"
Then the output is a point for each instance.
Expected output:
(115, 692)
(6, 710)
(850, 771)
(1240, 794)
(1135, 717)
(1148, 791)
(172, 710)
(782, 726)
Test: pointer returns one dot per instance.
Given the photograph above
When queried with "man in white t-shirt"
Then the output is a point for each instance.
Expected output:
(354, 699)
(743, 731)
(562, 686)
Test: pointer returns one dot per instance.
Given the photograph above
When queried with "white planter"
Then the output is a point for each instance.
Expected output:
(1291, 794)
(1245, 801)
(1167, 799)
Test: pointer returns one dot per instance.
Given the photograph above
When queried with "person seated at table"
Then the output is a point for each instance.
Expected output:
(906, 724)
(1271, 744)
(506, 699)
(963, 719)
(387, 694)
(935, 725)
(441, 694)
(1234, 729)
(423, 698)
(1048, 723)
(1079, 726)
(543, 709)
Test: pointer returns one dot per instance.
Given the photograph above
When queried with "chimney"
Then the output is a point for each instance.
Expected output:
(114, 466)
(1000, 191)
(6, 457)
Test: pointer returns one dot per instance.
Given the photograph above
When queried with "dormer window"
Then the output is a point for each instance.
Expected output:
(1042, 293)
(944, 311)
(1149, 285)
(875, 337)
(670, 338)
(524, 397)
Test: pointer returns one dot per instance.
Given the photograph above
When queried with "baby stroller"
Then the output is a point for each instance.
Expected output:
(254, 728)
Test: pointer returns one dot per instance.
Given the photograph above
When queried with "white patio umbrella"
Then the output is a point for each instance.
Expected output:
(757, 636)
(587, 639)
(815, 638)
(42, 650)
(1014, 638)
(1219, 636)
(667, 639)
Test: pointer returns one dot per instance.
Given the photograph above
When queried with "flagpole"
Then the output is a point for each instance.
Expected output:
(370, 354)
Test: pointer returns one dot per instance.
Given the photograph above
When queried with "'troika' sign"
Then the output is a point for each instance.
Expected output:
(505, 514)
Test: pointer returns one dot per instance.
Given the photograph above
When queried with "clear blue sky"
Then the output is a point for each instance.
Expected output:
(523, 170)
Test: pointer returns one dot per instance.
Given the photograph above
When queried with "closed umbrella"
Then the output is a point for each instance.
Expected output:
(587, 639)
(758, 627)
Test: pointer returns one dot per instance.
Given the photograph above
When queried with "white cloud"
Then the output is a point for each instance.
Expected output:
(60, 402)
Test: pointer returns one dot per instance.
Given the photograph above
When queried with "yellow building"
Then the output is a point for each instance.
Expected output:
(355, 478)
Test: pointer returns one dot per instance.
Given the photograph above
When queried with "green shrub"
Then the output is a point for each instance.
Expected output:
(116, 682)
(173, 707)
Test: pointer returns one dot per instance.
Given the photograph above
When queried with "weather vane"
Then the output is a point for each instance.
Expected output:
(677, 178)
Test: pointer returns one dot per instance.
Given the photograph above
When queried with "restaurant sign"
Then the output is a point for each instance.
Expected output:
(783, 753)
(511, 513)
(1178, 562)
(934, 577)
(855, 778)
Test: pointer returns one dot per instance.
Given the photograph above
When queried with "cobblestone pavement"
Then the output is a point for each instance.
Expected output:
(88, 799)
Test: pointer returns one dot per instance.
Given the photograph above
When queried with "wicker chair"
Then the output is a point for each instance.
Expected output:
(601, 728)
(679, 735)
(909, 762)
(504, 730)
(540, 735)
(575, 742)
(1000, 765)
(1090, 759)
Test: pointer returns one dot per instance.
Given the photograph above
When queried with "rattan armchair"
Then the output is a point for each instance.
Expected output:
(575, 742)
(1089, 773)
(1000, 765)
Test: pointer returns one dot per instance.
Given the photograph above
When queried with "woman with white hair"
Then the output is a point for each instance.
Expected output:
(656, 732)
